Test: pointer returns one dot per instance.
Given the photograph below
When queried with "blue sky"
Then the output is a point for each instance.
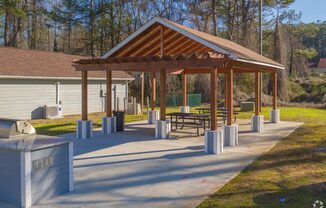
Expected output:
(312, 10)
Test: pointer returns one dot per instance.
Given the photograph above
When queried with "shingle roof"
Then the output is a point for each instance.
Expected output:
(34, 63)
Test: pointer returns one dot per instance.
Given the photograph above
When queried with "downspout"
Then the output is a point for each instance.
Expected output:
(57, 93)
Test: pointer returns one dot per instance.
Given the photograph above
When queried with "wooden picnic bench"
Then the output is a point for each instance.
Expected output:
(190, 119)
(221, 112)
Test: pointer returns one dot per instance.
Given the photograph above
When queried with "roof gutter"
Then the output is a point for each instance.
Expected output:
(261, 63)
(60, 78)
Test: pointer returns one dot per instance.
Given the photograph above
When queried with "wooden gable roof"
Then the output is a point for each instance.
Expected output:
(180, 39)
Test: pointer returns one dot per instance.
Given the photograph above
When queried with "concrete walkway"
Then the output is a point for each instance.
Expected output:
(132, 169)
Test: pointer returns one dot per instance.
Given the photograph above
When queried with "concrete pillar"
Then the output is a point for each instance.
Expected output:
(84, 129)
(275, 116)
(214, 141)
(109, 125)
(185, 109)
(257, 123)
(162, 129)
(153, 116)
(231, 135)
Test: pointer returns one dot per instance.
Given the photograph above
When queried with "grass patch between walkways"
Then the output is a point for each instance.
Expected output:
(292, 174)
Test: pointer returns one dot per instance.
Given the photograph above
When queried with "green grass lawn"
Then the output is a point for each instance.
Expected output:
(68, 123)
(292, 170)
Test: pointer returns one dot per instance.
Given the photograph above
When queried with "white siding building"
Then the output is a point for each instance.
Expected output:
(29, 81)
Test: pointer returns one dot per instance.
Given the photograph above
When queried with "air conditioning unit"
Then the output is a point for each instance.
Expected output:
(53, 111)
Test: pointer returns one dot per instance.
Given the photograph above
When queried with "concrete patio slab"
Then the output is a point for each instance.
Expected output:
(133, 169)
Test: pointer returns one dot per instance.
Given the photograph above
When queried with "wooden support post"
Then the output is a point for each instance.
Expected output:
(225, 90)
(257, 93)
(108, 93)
(162, 93)
(162, 79)
(153, 80)
(184, 89)
(274, 91)
(230, 97)
(213, 99)
(142, 91)
(84, 96)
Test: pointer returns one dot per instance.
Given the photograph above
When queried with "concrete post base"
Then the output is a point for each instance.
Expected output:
(257, 123)
(109, 125)
(162, 129)
(84, 129)
(185, 109)
(153, 116)
(213, 142)
(275, 116)
(231, 135)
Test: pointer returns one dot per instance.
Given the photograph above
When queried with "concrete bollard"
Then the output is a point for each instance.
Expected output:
(153, 116)
(162, 129)
(84, 129)
(185, 109)
(275, 116)
(109, 125)
(214, 141)
(257, 123)
(231, 135)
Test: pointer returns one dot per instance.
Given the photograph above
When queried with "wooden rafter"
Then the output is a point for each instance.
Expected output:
(169, 42)
(137, 42)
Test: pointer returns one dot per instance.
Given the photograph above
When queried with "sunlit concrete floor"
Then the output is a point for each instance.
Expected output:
(133, 169)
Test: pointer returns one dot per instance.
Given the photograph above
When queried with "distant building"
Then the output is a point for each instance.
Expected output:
(31, 79)
(318, 67)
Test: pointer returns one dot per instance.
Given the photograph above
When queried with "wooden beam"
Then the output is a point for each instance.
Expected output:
(149, 66)
(219, 71)
(184, 89)
(213, 99)
(230, 97)
(109, 93)
(162, 94)
(153, 80)
(84, 96)
(257, 93)
(274, 90)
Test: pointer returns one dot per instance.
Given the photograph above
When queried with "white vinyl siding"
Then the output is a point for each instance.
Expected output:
(25, 98)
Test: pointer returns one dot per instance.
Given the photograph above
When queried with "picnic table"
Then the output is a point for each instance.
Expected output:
(192, 119)
(221, 112)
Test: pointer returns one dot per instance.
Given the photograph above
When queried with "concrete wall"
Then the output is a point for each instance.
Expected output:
(10, 176)
(51, 180)
(25, 98)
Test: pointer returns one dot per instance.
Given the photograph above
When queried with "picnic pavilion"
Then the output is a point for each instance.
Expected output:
(164, 47)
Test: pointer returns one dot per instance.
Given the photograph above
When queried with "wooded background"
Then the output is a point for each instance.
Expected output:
(95, 26)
